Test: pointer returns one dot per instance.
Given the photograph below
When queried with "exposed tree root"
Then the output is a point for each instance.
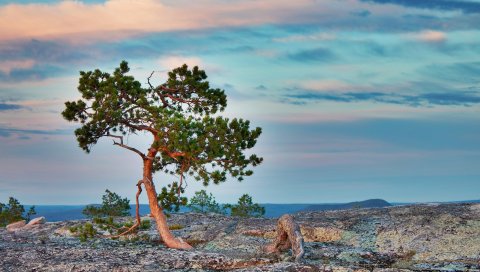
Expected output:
(288, 236)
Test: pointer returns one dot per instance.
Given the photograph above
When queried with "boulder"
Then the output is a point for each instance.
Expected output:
(64, 232)
(15, 226)
(36, 221)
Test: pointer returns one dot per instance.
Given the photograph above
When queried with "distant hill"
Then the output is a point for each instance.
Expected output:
(370, 203)
(466, 201)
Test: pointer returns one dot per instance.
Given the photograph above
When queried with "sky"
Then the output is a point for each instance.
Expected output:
(357, 99)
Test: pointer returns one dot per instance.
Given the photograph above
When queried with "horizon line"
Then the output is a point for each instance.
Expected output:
(311, 203)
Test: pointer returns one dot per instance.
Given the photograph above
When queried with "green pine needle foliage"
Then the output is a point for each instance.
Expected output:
(246, 208)
(202, 202)
(189, 138)
(13, 211)
(170, 199)
(112, 205)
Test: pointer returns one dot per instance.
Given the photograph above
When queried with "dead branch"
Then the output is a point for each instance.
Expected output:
(148, 80)
(115, 136)
(131, 149)
(125, 146)
(137, 213)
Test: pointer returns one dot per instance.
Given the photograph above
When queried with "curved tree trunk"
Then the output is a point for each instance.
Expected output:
(155, 209)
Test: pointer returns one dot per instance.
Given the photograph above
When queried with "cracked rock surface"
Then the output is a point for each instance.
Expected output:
(431, 237)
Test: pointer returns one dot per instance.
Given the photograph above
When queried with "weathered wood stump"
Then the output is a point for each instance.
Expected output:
(288, 236)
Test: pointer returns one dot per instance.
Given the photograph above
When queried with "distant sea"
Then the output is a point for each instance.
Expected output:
(54, 213)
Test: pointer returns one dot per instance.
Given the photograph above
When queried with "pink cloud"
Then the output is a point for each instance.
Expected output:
(174, 61)
(83, 23)
(171, 62)
(6, 66)
(327, 85)
(430, 36)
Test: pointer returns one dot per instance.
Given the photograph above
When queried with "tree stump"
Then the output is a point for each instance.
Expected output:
(288, 236)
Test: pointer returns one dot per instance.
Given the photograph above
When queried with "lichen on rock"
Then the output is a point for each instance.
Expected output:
(404, 238)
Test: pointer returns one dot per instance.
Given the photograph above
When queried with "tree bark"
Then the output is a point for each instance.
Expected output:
(137, 214)
(288, 236)
(155, 210)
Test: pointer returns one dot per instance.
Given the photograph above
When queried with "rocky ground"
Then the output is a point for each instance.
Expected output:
(406, 238)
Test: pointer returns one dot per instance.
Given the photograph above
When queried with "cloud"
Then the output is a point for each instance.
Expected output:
(460, 72)
(336, 97)
(6, 2)
(430, 36)
(34, 50)
(325, 85)
(452, 5)
(6, 107)
(261, 87)
(78, 22)
(307, 37)
(313, 55)
(171, 62)
(69, 31)
(58, 36)
(6, 66)
(452, 98)
(36, 59)
(24, 133)
(361, 13)
(37, 72)
(458, 98)
(74, 18)
(240, 49)
(24, 137)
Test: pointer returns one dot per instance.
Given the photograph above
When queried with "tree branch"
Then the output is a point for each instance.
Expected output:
(137, 213)
(148, 80)
(165, 104)
(131, 149)
(168, 89)
(172, 154)
(116, 136)
(126, 146)
(141, 127)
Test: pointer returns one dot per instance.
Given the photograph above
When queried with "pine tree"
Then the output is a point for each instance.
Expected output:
(187, 138)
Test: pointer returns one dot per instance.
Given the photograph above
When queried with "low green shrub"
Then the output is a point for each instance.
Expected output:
(176, 227)
(145, 225)
(84, 232)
